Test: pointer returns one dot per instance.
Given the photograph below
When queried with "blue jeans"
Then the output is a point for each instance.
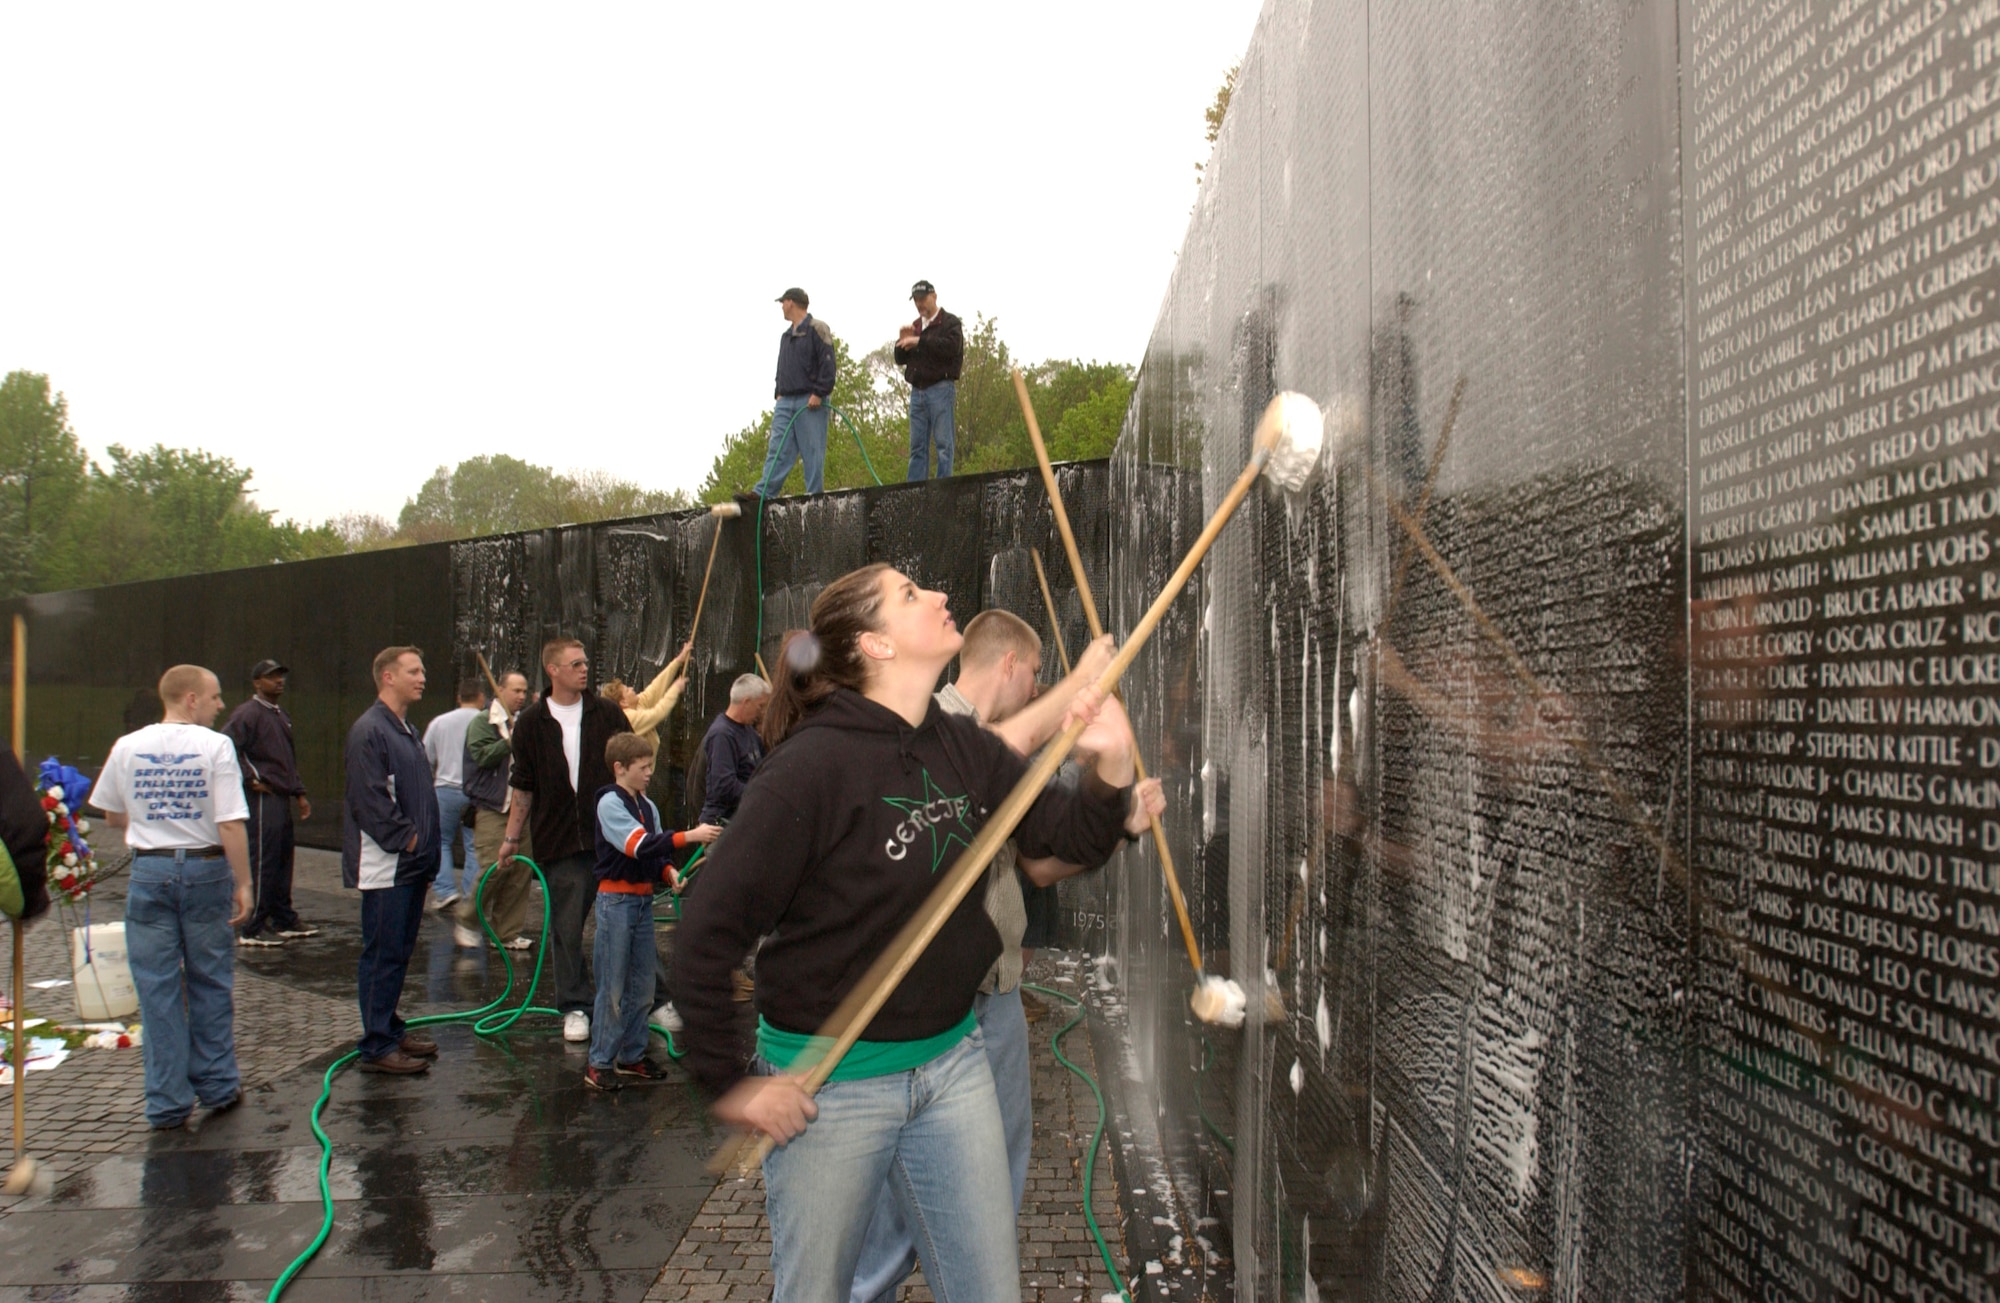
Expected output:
(455, 832)
(931, 422)
(625, 963)
(890, 1250)
(933, 1136)
(183, 956)
(390, 917)
(798, 433)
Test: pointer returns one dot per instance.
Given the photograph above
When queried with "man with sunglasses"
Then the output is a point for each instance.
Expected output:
(558, 765)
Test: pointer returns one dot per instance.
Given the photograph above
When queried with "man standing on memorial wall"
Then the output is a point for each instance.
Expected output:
(559, 766)
(262, 732)
(807, 367)
(389, 849)
(931, 351)
(176, 791)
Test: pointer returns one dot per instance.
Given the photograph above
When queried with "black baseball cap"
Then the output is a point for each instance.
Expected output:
(796, 295)
(267, 667)
(922, 288)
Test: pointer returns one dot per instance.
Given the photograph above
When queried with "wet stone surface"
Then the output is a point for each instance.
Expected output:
(497, 1175)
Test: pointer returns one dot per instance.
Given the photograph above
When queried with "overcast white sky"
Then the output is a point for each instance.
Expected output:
(347, 244)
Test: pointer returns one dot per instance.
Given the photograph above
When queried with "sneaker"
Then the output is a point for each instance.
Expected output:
(258, 941)
(446, 902)
(464, 936)
(296, 933)
(667, 1016)
(643, 1069)
(600, 1078)
(576, 1026)
(519, 943)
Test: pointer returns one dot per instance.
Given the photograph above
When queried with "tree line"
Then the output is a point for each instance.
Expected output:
(72, 521)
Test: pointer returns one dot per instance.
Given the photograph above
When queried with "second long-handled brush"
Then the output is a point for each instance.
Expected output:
(27, 1175)
(1286, 447)
(1215, 999)
(721, 511)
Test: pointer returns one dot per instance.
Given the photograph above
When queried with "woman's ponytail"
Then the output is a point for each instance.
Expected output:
(818, 661)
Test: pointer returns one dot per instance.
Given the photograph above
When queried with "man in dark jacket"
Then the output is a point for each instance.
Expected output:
(262, 732)
(806, 372)
(389, 849)
(931, 351)
(559, 763)
(732, 749)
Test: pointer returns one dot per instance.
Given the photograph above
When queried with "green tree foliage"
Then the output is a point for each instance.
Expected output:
(42, 476)
(496, 494)
(1216, 112)
(171, 511)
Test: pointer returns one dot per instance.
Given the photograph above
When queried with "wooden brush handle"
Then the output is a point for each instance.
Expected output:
(844, 1027)
(703, 599)
(1097, 631)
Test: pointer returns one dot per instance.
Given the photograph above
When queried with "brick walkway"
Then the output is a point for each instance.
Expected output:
(726, 1255)
(93, 1104)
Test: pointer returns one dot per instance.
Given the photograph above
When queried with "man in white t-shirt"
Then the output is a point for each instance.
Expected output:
(444, 747)
(175, 788)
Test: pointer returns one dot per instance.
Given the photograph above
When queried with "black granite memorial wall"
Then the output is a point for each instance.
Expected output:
(1592, 775)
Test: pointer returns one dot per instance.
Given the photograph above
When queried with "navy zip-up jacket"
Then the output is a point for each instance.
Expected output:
(630, 844)
(265, 752)
(389, 796)
(806, 363)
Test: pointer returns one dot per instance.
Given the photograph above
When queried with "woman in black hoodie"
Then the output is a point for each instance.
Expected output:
(868, 793)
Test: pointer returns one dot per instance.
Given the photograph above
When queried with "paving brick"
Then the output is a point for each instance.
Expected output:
(1059, 1259)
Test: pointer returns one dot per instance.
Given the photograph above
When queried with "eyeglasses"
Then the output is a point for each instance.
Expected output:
(577, 664)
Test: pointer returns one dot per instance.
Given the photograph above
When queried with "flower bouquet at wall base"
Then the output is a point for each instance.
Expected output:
(72, 866)
(98, 965)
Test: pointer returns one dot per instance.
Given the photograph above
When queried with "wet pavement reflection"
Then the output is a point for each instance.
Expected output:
(497, 1175)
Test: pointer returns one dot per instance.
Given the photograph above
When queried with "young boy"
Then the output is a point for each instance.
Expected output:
(632, 856)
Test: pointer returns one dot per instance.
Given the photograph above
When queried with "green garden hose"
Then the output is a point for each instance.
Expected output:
(488, 1019)
(1096, 1137)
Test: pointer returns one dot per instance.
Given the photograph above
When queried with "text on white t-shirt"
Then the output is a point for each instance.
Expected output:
(174, 783)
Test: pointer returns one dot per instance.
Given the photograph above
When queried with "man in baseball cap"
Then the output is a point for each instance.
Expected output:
(272, 788)
(931, 351)
(806, 366)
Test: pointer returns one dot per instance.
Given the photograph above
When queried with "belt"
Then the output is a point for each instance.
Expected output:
(180, 853)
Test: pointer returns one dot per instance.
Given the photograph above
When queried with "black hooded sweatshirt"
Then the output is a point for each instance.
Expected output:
(841, 837)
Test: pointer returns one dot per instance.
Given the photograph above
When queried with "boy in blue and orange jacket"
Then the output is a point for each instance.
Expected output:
(632, 853)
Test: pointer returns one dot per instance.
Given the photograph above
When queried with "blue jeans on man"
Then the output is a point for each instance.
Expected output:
(624, 960)
(798, 434)
(390, 917)
(182, 953)
(931, 422)
(457, 834)
(889, 1252)
(932, 1137)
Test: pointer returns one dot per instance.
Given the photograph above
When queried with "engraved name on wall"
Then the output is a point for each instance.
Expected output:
(1843, 252)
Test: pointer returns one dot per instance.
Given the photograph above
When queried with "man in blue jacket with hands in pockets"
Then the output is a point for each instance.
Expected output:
(389, 849)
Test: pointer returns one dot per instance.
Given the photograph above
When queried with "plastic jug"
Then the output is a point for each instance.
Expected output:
(103, 977)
